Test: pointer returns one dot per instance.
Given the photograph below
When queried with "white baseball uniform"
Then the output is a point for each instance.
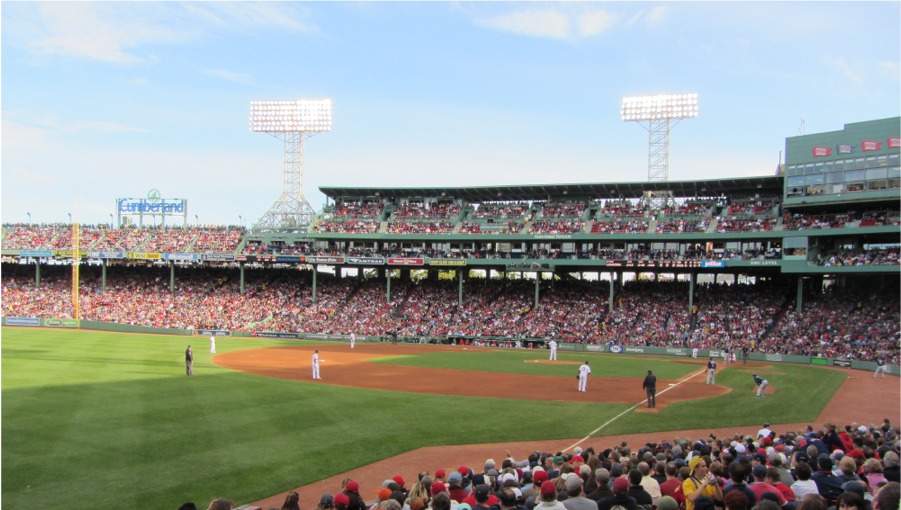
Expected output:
(584, 370)
(553, 345)
(212, 345)
(353, 340)
(316, 365)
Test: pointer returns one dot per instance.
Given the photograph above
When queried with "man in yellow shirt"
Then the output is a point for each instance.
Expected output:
(700, 483)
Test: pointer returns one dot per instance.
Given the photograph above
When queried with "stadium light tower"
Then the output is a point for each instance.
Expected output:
(291, 122)
(658, 114)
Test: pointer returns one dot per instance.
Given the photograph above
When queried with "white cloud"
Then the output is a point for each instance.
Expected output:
(119, 32)
(235, 15)
(657, 15)
(565, 22)
(25, 178)
(595, 22)
(844, 68)
(892, 69)
(229, 76)
(95, 32)
(547, 23)
(21, 137)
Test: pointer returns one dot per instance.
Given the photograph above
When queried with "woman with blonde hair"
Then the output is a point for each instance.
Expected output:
(872, 471)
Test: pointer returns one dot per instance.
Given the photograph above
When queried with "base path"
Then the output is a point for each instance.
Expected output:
(861, 398)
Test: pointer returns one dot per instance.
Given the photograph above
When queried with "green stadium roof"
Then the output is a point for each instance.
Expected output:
(765, 186)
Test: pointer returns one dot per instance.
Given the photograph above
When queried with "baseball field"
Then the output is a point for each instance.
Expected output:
(106, 420)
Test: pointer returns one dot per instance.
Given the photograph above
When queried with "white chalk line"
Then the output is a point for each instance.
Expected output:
(620, 415)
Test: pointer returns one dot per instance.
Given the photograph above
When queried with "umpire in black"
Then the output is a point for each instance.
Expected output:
(650, 387)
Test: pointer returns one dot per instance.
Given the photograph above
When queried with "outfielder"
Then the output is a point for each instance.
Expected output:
(212, 344)
(584, 370)
(880, 368)
(711, 371)
(761, 385)
(553, 345)
(316, 365)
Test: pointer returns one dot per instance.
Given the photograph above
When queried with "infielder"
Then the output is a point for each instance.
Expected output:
(316, 365)
(761, 385)
(353, 340)
(212, 344)
(711, 372)
(880, 368)
(584, 370)
(553, 345)
(694, 352)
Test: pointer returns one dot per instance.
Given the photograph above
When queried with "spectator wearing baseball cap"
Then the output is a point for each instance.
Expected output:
(482, 491)
(547, 497)
(828, 485)
(455, 487)
(760, 486)
(620, 496)
(575, 493)
(352, 491)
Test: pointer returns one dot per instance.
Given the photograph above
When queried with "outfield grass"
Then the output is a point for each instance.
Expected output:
(106, 420)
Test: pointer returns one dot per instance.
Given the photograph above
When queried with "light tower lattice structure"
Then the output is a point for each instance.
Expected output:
(292, 122)
(658, 114)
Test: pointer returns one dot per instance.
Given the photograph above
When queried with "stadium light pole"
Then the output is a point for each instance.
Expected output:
(291, 121)
(658, 114)
(29, 217)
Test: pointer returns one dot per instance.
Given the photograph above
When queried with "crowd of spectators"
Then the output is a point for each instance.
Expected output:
(156, 239)
(860, 257)
(359, 210)
(424, 211)
(501, 210)
(850, 467)
(854, 323)
(621, 207)
(681, 225)
(347, 226)
(636, 225)
(556, 209)
(491, 226)
(724, 225)
(558, 226)
(420, 227)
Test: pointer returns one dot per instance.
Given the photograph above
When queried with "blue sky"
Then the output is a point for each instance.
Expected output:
(108, 100)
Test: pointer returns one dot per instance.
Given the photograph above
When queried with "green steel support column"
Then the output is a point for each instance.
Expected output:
(691, 291)
(37, 274)
(460, 288)
(103, 277)
(241, 269)
(610, 299)
(537, 282)
(171, 276)
(800, 298)
(314, 282)
(388, 293)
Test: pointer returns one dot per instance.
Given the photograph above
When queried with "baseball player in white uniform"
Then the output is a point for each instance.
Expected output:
(584, 370)
(353, 340)
(212, 344)
(553, 345)
(316, 365)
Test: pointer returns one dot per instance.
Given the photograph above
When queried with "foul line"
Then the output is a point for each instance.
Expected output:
(618, 416)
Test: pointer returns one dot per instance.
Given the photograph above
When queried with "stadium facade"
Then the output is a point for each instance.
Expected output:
(831, 213)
